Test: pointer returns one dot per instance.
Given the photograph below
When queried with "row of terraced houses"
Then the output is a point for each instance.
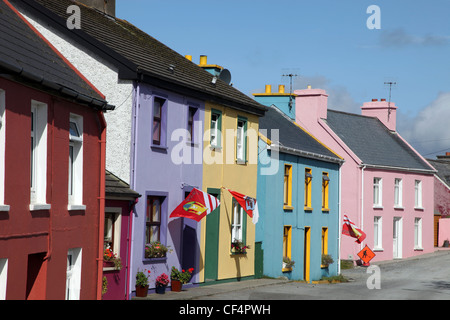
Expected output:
(104, 131)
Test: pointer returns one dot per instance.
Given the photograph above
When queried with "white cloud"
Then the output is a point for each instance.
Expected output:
(429, 131)
(400, 38)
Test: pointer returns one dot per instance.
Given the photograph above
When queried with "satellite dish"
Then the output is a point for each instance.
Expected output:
(225, 76)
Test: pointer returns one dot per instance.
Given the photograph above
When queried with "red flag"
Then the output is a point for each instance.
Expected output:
(249, 205)
(349, 229)
(196, 206)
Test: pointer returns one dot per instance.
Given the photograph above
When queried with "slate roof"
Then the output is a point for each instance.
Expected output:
(117, 188)
(443, 169)
(26, 57)
(141, 54)
(372, 142)
(294, 137)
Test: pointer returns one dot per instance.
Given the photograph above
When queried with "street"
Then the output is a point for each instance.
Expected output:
(423, 278)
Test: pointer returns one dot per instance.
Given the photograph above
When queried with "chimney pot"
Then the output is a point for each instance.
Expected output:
(203, 60)
(281, 88)
(383, 99)
(189, 57)
(268, 88)
(373, 100)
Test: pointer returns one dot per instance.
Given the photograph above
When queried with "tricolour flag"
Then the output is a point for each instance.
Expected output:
(249, 205)
(196, 205)
(349, 229)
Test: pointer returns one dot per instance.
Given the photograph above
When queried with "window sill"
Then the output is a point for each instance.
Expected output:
(40, 206)
(419, 209)
(308, 209)
(325, 210)
(286, 270)
(289, 208)
(215, 148)
(377, 249)
(418, 249)
(378, 207)
(162, 148)
(398, 208)
(4, 208)
(75, 207)
(241, 162)
(155, 260)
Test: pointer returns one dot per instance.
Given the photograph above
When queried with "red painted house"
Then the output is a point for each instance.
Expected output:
(52, 170)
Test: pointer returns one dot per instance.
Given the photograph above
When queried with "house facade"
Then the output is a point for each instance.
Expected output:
(51, 199)
(387, 187)
(155, 134)
(298, 192)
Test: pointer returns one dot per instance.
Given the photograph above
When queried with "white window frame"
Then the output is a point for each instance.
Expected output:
(398, 193)
(418, 194)
(240, 142)
(237, 222)
(378, 233)
(214, 129)
(3, 278)
(75, 172)
(117, 223)
(3, 207)
(418, 234)
(38, 156)
(73, 274)
(377, 192)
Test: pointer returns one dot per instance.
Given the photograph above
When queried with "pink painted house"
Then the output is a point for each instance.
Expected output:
(386, 186)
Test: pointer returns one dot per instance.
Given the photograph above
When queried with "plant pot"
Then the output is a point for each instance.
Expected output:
(160, 289)
(176, 285)
(141, 291)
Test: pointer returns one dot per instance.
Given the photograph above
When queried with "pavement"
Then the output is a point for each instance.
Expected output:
(190, 292)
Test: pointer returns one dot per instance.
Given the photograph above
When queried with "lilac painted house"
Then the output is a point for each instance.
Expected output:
(386, 186)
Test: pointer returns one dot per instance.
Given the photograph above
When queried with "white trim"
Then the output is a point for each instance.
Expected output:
(3, 207)
(73, 274)
(75, 173)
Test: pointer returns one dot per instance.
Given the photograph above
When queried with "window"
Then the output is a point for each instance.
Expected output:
(417, 233)
(418, 194)
(75, 175)
(112, 229)
(238, 223)
(153, 220)
(3, 207)
(216, 128)
(73, 274)
(287, 186)
(398, 193)
(377, 192)
(324, 240)
(325, 184)
(190, 125)
(377, 233)
(287, 239)
(38, 156)
(159, 115)
(241, 141)
(3, 278)
(308, 189)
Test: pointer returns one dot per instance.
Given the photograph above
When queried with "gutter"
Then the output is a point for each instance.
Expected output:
(305, 154)
(391, 168)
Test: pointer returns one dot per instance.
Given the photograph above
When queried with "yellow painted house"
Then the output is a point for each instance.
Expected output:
(230, 160)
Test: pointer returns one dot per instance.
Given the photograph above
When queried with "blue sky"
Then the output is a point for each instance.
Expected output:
(327, 44)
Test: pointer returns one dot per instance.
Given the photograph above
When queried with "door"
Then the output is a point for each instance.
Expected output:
(397, 238)
(212, 240)
(307, 254)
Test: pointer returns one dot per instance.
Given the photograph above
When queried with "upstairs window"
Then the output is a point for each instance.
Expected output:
(216, 128)
(75, 177)
(190, 125)
(241, 141)
(325, 192)
(377, 192)
(287, 186)
(308, 189)
(159, 122)
(398, 191)
(418, 194)
(2, 151)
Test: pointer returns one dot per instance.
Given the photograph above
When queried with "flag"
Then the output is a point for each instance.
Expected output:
(249, 205)
(351, 230)
(196, 206)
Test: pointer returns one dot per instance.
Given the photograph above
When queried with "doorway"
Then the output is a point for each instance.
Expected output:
(212, 240)
(307, 254)
(397, 238)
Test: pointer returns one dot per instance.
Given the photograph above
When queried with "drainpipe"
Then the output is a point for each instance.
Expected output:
(101, 198)
(362, 201)
(130, 229)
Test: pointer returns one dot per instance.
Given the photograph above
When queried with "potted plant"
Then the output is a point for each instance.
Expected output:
(156, 250)
(110, 259)
(326, 260)
(178, 278)
(287, 263)
(238, 247)
(142, 283)
(161, 283)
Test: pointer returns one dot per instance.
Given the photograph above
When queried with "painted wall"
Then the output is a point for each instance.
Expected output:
(444, 231)
(273, 217)
(221, 170)
(26, 237)
(160, 171)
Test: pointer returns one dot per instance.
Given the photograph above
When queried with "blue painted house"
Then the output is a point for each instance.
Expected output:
(298, 197)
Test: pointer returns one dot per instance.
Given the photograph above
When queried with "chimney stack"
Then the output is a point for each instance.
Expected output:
(386, 112)
(105, 6)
